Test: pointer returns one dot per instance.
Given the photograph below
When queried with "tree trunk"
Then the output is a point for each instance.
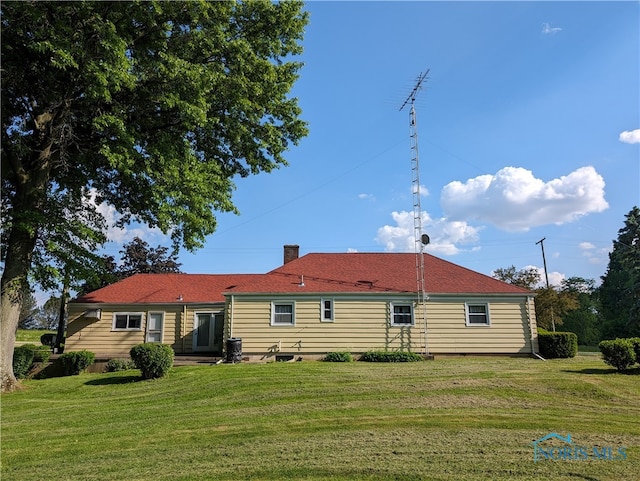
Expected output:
(28, 202)
(63, 313)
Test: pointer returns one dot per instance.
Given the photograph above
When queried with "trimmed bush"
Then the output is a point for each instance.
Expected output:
(41, 354)
(154, 360)
(72, 363)
(48, 339)
(618, 353)
(338, 357)
(115, 365)
(557, 345)
(390, 356)
(636, 347)
(23, 360)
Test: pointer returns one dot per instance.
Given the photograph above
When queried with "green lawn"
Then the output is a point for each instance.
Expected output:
(31, 335)
(449, 419)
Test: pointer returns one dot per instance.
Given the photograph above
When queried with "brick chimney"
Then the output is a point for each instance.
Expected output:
(291, 252)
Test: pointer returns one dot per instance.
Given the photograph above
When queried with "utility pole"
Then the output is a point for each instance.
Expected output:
(419, 239)
(546, 277)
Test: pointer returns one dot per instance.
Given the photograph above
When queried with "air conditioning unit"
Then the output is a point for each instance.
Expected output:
(92, 314)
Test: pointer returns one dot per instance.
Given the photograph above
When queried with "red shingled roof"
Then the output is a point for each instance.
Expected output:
(320, 273)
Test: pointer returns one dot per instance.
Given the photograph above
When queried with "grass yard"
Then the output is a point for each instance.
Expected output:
(449, 419)
(31, 335)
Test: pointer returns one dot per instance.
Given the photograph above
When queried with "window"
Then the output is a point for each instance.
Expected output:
(127, 321)
(327, 310)
(402, 314)
(282, 313)
(154, 327)
(477, 314)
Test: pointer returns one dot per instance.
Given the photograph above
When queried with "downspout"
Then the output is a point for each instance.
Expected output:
(532, 337)
(231, 316)
(183, 333)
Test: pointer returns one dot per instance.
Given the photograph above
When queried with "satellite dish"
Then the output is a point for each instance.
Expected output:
(425, 239)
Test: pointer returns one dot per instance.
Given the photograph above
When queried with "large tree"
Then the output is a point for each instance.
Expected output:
(151, 107)
(619, 292)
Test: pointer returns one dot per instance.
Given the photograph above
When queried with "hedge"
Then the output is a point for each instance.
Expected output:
(338, 357)
(557, 345)
(390, 356)
(154, 360)
(76, 362)
(618, 353)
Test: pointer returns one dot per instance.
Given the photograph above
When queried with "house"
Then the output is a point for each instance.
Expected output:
(309, 306)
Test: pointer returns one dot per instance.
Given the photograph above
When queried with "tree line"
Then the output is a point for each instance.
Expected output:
(607, 311)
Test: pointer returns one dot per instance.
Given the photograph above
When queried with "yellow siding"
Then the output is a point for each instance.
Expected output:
(364, 324)
(99, 337)
(359, 325)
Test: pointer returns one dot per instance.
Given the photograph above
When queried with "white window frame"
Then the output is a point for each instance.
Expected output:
(392, 311)
(323, 310)
(468, 315)
(147, 331)
(273, 313)
(128, 314)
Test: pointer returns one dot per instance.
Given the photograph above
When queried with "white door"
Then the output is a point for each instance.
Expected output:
(155, 320)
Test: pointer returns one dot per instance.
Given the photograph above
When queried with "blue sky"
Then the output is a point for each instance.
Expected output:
(528, 127)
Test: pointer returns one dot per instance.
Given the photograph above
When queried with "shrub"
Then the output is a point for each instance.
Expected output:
(390, 356)
(636, 347)
(154, 360)
(48, 339)
(338, 357)
(22, 360)
(76, 362)
(618, 353)
(41, 354)
(114, 365)
(557, 344)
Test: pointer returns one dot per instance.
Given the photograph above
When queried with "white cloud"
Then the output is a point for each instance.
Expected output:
(555, 277)
(593, 254)
(445, 236)
(351, 250)
(422, 189)
(514, 200)
(630, 136)
(364, 196)
(549, 30)
(120, 235)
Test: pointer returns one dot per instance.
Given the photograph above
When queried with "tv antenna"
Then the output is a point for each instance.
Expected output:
(420, 239)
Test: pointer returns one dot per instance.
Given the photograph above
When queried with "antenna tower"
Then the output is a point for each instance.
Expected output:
(419, 239)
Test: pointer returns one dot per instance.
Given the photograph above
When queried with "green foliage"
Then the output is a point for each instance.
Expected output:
(48, 339)
(154, 360)
(41, 354)
(619, 292)
(23, 360)
(338, 357)
(526, 278)
(557, 345)
(390, 356)
(115, 365)
(618, 353)
(636, 347)
(76, 362)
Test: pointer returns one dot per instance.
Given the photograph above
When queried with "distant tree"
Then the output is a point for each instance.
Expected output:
(152, 107)
(583, 320)
(48, 315)
(527, 278)
(29, 308)
(139, 258)
(552, 306)
(619, 292)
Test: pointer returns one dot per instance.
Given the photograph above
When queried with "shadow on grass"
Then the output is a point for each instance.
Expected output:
(106, 381)
(605, 370)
